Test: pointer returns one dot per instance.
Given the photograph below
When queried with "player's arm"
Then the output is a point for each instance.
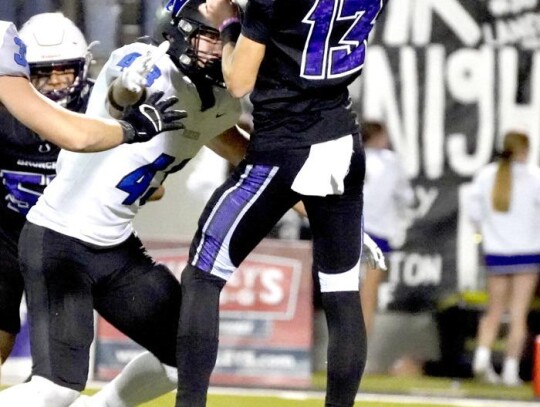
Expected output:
(68, 130)
(231, 145)
(77, 132)
(119, 97)
(242, 56)
(240, 65)
(129, 88)
(157, 194)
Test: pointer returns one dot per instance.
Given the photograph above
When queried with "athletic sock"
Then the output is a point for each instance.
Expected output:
(143, 379)
(197, 340)
(347, 347)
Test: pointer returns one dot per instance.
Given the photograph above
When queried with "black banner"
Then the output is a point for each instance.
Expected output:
(449, 78)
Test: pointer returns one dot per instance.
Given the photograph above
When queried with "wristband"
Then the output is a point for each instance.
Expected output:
(112, 102)
(227, 22)
(116, 106)
(231, 31)
(129, 134)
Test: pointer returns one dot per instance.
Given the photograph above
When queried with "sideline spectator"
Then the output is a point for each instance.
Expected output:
(504, 205)
(387, 196)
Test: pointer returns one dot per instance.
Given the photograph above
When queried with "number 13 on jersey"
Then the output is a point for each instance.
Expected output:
(328, 56)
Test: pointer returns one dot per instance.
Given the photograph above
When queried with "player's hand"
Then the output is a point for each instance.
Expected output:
(134, 77)
(154, 116)
(217, 11)
(373, 253)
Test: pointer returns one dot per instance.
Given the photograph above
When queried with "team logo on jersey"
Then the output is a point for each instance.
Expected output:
(175, 6)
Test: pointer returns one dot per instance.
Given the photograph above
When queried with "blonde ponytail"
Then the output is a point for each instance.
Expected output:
(514, 143)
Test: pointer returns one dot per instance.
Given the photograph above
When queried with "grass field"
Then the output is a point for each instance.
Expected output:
(377, 391)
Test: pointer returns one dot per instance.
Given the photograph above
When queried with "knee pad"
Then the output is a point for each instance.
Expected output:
(346, 281)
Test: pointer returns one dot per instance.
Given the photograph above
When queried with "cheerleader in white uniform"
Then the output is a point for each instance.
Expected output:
(504, 204)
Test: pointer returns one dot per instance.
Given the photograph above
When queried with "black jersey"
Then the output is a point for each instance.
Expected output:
(27, 166)
(314, 50)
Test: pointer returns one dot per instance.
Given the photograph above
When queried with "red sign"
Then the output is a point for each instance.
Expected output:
(266, 318)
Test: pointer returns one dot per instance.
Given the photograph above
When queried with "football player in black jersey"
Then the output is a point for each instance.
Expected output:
(297, 61)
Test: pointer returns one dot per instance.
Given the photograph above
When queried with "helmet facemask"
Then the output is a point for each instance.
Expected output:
(58, 56)
(196, 46)
(61, 81)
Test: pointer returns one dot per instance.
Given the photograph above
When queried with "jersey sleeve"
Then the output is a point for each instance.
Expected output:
(123, 58)
(120, 59)
(12, 52)
(256, 23)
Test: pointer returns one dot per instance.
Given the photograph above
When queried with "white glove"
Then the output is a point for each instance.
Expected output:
(373, 253)
(134, 77)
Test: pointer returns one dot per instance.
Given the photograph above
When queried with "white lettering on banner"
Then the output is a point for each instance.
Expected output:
(263, 284)
(410, 270)
(272, 284)
(466, 79)
(415, 269)
(250, 359)
(471, 82)
(426, 198)
(512, 22)
(501, 7)
(411, 22)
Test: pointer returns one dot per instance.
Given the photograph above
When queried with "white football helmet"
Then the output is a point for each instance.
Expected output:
(55, 44)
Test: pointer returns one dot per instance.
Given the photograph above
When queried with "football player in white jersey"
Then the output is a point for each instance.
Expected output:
(58, 57)
(69, 130)
(78, 249)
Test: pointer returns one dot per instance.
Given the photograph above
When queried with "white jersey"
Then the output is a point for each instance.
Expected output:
(387, 194)
(12, 52)
(95, 196)
(516, 231)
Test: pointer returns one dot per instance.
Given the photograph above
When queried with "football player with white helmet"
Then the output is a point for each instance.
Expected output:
(53, 53)
(78, 250)
(28, 163)
(59, 57)
(70, 130)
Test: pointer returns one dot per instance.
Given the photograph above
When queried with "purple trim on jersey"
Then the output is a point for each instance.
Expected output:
(381, 242)
(175, 6)
(228, 211)
(497, 264)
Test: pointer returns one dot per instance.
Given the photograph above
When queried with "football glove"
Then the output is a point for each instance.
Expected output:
(142, 122)
(373, 254)
(134, 77)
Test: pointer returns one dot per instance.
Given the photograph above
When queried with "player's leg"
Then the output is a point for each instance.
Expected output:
(523, 286)
(238, 216)
(337, 239)
(369, 287)
(143, 379)
(38, 392)
(11, 289)
(372, 276)
(488, 328)
(60, 311)
(142, 301)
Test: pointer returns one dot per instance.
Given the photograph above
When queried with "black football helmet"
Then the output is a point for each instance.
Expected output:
(186, 28)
